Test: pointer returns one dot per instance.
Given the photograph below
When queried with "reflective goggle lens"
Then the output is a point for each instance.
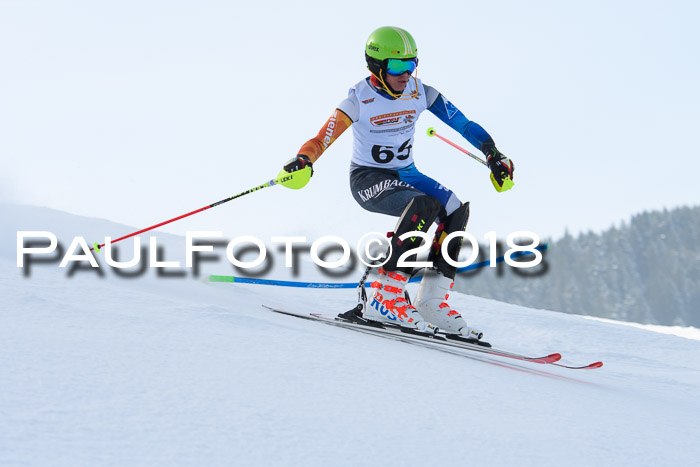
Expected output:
(397, 67)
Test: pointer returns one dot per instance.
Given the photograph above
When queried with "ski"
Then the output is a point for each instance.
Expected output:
(590, 366)
(438, 342)
(439, 339)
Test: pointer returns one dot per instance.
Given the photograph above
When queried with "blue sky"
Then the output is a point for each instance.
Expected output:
(140, 111)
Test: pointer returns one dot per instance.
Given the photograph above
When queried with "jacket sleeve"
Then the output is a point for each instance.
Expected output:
(334, 127)
(452, 116)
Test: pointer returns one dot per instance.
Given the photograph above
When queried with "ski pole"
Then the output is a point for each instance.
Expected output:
(432, 132)
(294, 180)
(507, 182)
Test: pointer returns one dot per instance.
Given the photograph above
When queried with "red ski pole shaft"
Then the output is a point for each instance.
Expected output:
(432, 132)
(505, 184)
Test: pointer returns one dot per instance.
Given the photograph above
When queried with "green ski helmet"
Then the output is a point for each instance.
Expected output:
(386, 43)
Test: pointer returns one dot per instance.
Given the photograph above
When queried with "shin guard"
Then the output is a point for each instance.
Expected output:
(455, 222)
(419, 215)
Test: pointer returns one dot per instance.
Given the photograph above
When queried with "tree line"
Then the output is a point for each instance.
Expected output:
(646, 270)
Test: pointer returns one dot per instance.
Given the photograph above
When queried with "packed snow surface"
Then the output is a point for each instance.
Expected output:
(103, 370)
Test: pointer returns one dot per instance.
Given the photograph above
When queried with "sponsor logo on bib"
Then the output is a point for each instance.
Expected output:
(394, 118)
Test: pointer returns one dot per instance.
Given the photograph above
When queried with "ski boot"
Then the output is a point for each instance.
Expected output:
(431, 303)
(387, 304)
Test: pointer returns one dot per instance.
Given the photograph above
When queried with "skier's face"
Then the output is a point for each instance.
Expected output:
(398, 83)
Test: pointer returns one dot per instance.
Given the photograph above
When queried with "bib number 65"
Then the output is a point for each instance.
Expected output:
(385, 154)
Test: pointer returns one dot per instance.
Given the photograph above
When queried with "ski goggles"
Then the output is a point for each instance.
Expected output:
(397, 67)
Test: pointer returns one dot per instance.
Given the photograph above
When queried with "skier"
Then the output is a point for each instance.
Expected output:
(382, 110)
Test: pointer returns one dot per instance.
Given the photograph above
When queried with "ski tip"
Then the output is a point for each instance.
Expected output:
(555, 357)
(586, 367)
(552, 358)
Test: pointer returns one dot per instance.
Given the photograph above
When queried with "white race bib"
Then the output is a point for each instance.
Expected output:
(383, 134)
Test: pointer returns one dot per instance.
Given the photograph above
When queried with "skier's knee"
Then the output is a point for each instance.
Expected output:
(424, 205)
(420, 212)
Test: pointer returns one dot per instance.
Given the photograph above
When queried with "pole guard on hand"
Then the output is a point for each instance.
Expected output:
(293, 180)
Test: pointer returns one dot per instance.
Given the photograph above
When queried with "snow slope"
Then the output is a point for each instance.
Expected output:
(177, 371)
